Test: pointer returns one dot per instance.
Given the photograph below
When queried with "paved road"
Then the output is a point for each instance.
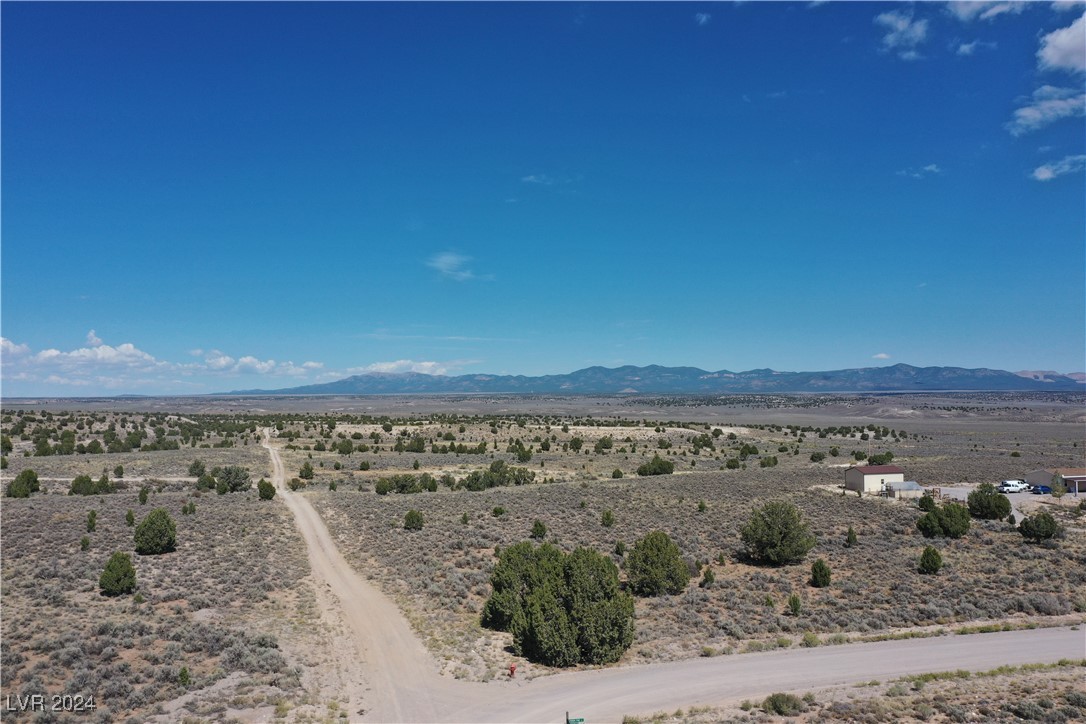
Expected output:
(405, 686)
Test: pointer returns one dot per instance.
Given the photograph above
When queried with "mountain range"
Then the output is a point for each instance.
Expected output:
(691, 380)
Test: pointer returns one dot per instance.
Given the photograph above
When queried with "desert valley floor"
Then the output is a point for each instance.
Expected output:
(319, 605)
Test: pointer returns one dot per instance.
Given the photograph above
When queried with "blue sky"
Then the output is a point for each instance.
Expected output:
(201, 197)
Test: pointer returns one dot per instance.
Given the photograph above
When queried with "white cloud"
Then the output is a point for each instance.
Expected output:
(967, 49)
(904, 34)
(10, 349)
(123, 355)
(932, 169)
(1048, 104)
(538, 178)
(1066, 165)
(401, 366)
(880, 355)
(125, 367)
(969, 10)
(453, 266)
(702, 18)
(251, 364)
(1064, 49)
(1064, 5)
(216, 360)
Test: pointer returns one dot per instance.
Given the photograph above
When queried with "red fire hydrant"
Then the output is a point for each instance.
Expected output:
(512, 670)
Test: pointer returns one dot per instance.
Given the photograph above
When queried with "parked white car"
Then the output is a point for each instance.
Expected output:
(1013, 486)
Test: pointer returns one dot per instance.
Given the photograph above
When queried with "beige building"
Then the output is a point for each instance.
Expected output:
(873, 478)
(1074, 479)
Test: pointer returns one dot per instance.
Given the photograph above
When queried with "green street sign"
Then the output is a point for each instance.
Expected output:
(575, 721)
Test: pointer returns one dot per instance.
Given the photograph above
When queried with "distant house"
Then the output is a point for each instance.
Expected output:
(873, 478)
(1074, 479)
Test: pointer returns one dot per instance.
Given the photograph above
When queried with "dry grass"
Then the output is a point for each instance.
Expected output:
(440, 574)
(240, 569)
(214, 606)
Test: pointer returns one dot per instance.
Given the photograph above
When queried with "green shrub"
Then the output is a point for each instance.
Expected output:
(777, 535)
(656, 466)
(850, 538)
(795, 604)
(817, 457)
(707, 578)
(92, 521)
(23, 485)
(1038, 527)
(296, 484)
(119, 576)
(498, 511)
(607, 519)
(236, 478)
(118, 472)
(655, 566)
(497, 475)
(926, 503)
(413, 520)
(265, 490)
(616, 474)
(130, 518)
(144, 491)
(951, 520)
(930, 560)
(783, 705)
(561, 609)
(539, 530)
(84, 543)
(987, 503)
(156, 533)
(306, 471)
(83, 485)
(820, 574)
(197, 469)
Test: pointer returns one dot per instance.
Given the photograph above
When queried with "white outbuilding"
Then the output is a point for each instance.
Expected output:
(873, 478)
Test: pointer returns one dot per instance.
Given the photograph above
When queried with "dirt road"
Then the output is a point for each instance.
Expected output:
(403, 684)
(401, 678)
(609, 694)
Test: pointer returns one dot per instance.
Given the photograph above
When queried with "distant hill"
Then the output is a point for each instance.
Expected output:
(691, 380)
(1050, 376)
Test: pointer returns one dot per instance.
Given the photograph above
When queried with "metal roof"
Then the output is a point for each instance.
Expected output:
(878, 469)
